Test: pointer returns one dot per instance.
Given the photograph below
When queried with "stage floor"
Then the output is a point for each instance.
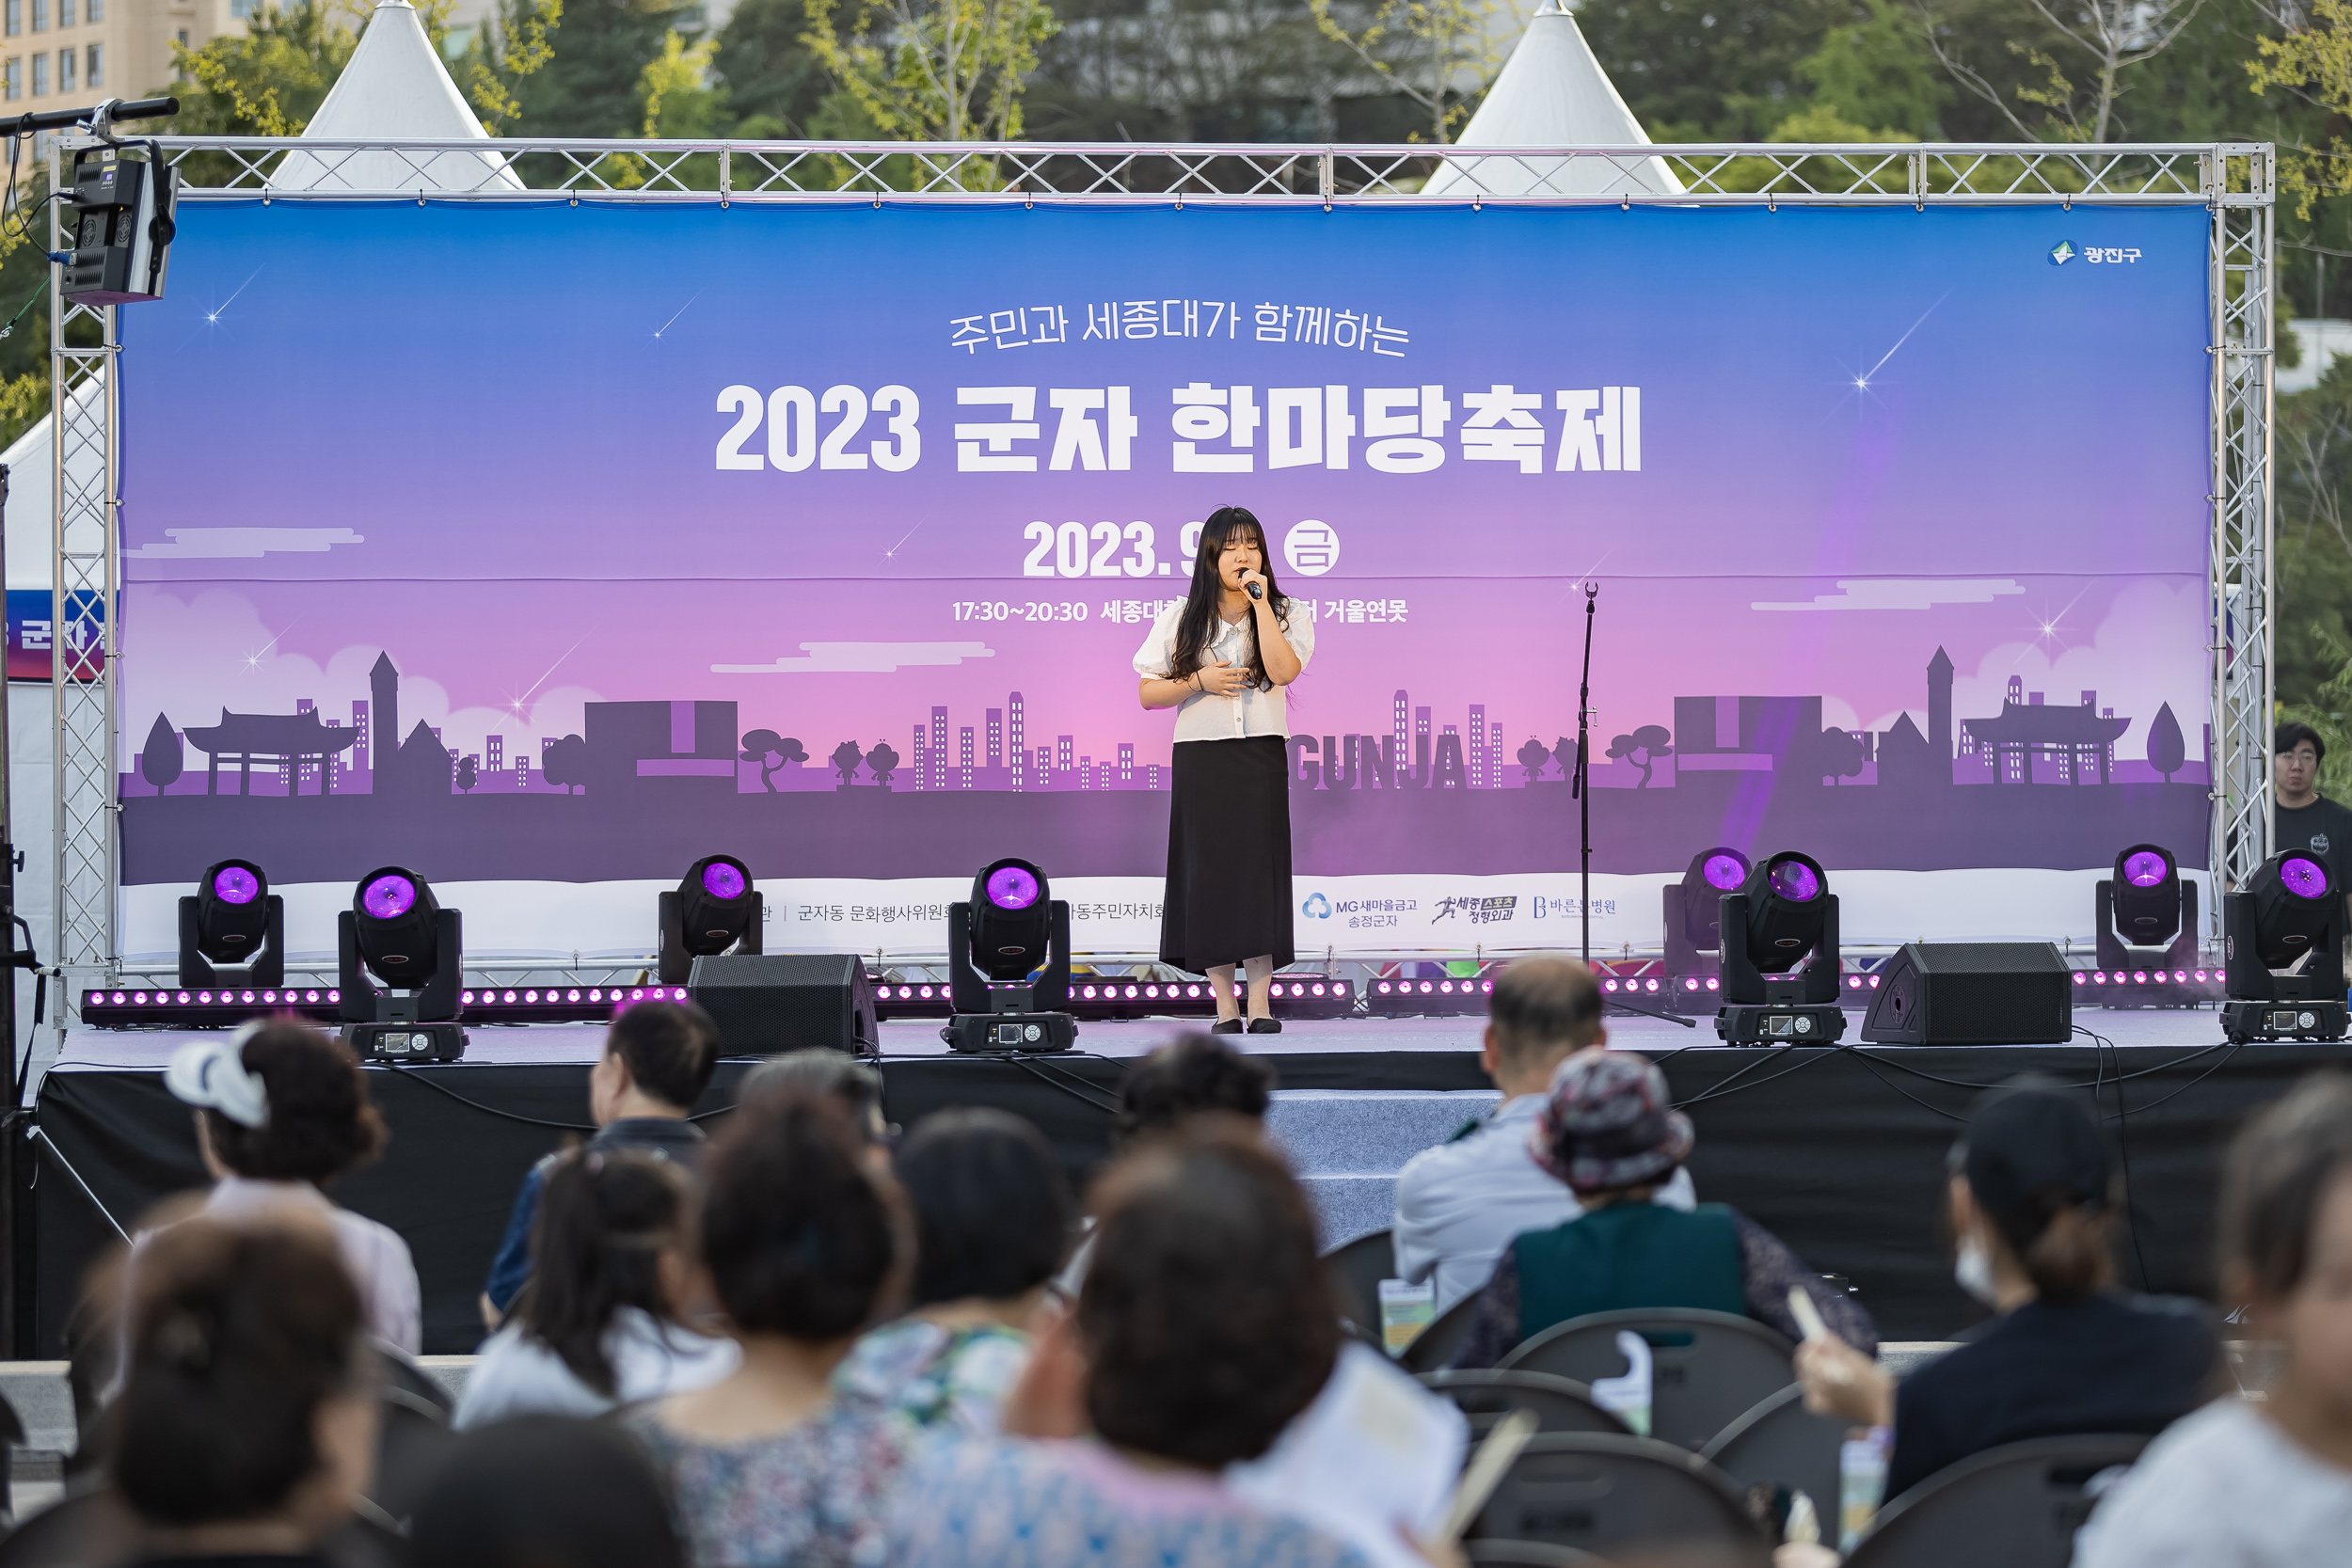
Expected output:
(1839, 1151)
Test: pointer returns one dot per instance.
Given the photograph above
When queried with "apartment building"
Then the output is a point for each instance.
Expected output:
(63, 54)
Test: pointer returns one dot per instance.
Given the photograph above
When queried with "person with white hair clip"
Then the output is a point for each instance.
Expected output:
(281, 1110)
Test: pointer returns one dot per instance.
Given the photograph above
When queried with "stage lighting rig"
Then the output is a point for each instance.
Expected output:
(1008, 964)
(1780, 957)
(2283, 942)
(1695, 928)
(233, 930)
(396, 935)
(715, 911)
(2146, 921)
(122, 193)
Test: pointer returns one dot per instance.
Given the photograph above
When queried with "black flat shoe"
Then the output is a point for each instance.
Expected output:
(1226, 1026)
(1265, 1025)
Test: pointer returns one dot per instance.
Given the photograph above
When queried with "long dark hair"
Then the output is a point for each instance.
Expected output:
(606, 1216)
(1194, 628)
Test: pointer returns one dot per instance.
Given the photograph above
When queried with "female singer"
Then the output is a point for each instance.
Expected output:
(1222, 657)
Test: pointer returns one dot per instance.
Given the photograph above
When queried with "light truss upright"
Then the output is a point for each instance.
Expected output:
(2237, 183)
(84, 448)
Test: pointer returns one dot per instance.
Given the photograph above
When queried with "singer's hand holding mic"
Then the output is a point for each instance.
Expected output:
(1253, 583)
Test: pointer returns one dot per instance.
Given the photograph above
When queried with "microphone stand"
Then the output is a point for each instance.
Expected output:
(1580, 790)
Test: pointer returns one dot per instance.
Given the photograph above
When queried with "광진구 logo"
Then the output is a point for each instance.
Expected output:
(2061, 253)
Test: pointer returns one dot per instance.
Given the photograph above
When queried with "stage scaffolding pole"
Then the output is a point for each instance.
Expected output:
(2236, 181)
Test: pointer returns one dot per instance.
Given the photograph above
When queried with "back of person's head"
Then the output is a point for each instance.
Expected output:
(607, 1218)
(670, 1048)
(1206, 1319)
(992, 1209)
(542, 1492)
(280, 1101)
(2281, 1172)
(2038, 1170)
(1607, 1126)
(824, 1072)
(237, 1337)
(799, 1239)
(1194, 1074)
(1543, 1007)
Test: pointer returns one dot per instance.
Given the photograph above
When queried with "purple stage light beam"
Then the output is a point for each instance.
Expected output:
(388, 896)
(1795, 882)
(2145, 869)
(722, 881)
(235, 885)
(2303, 878)
(1724, 873)
(1011, 888)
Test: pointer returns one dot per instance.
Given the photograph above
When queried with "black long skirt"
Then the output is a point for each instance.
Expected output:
(1229, 854)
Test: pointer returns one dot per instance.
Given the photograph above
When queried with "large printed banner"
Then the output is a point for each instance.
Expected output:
(545, 548)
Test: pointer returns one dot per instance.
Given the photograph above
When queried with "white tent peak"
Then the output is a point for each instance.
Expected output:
(1552, 93)
(394, 88)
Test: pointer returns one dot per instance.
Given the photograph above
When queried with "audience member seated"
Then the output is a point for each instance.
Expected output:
(541, 1491)
(598, 1323)
(658, 1059)
(827, 1074)
(246, 1424)
(282, 1110)
(1606, 1130)
(1458, 1205)
(1204, 1327)
(2268, 1484)
(992, 1222)
(799, 1239)
(2032, 1204)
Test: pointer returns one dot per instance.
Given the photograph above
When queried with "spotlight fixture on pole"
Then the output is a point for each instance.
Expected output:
(2146, 921)
(2283, 942)
(232, 930)
(1008, 964)
(396, 936)
(1780, 957)
(715, 911)
(1694, 933)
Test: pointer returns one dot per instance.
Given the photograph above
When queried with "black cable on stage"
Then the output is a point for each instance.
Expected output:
(2235, 1047)
(1811, 1056)
(2098, 1080)
(1761, 1058)
(1867, 1060)
(439, 1087)
(1071, 1084)
(2122, 1143)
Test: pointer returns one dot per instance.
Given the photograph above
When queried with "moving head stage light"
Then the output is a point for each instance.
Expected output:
(715, 911)
(395, 934)
(233, 930)
(2146, 923)
(1693, 979)
(1008, 964)
(1780, 957)
(2283, 940)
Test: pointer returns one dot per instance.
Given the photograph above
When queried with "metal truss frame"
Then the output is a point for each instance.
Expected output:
(2237, 183)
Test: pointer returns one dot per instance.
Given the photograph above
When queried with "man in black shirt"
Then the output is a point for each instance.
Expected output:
(2305, 819)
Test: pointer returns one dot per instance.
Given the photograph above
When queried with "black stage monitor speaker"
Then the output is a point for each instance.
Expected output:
(766, 1003)
(1973, 993)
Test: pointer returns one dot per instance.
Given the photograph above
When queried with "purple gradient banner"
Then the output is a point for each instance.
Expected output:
(565, 545)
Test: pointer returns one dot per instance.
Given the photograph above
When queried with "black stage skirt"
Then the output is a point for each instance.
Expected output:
(1229, 854)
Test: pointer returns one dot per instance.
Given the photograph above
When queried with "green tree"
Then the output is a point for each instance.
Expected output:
(773, 79)
(932, 70)
(1878, 72)
(1714, 72)
(1441, 54)
(2055, 70)
(271, 79)
(592, 83)
(509, 47)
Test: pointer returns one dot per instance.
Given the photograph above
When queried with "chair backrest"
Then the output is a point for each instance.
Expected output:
(1434, 1347)
(1708, 1368)
(1486, 1396)
(1781, 1442)
(1355, 1269)
(406, 1382)
(1528, 1554)
(2018, 1505)
(1610, 1495)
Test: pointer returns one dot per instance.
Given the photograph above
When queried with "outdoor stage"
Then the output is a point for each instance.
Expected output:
(1838, 1151)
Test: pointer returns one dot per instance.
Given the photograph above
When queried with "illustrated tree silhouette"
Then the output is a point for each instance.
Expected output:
(845, 759)
(2167, 751)
(469, 774)
(162, 760)
(771, 751)
(1643, 748)
(881, 761)
(1840, 754)
(566, 763)
(1531, 758)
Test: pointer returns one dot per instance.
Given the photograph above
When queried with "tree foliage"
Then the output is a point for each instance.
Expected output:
(1439, 53)
(932, 70)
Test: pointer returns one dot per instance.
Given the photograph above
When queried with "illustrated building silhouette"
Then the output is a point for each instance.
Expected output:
(279, 740)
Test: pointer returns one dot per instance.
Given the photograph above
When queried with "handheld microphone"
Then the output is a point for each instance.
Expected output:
(1255, 592)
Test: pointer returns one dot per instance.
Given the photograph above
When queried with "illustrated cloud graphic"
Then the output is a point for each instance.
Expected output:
(1903, 594)
(860, 659)
(243, 543)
